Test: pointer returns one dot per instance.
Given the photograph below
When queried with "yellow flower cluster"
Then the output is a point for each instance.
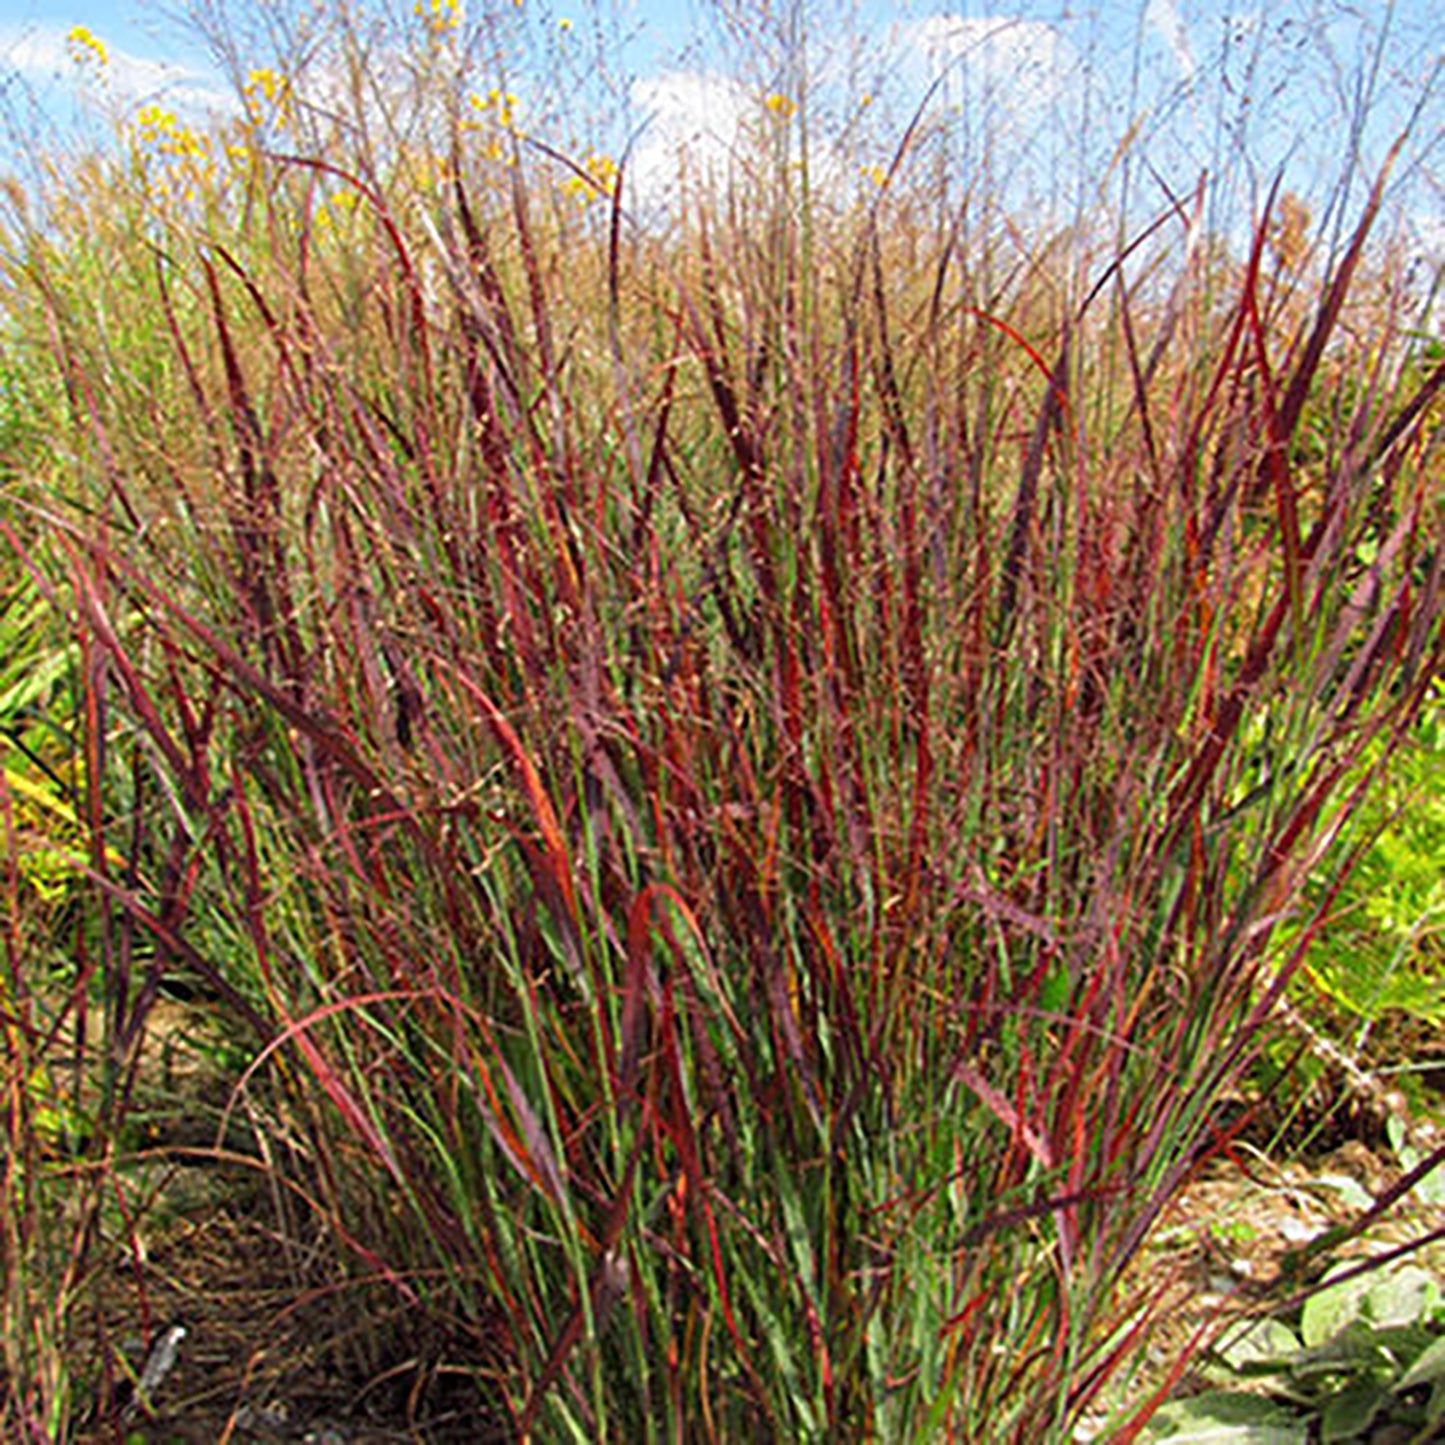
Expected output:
(161, 132)
(441, 16)
(336, 209)
(498, 105)
(85, 48)
(781, 105)
(187, 167)
(600, 179)
(268, 96)
(496, 111)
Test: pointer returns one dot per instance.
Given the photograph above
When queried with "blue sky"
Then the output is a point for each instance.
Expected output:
(1171, 74)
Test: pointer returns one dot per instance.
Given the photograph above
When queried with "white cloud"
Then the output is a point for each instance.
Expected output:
(1023, 64)
(35, 51)
(1428, 234)
(1425, 264)
(43, 56)
(1163, 17)
(692, 124)
(1012, 95)
(1407, 253)
(1023, 82)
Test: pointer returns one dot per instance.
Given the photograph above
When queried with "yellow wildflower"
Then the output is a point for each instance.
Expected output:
(156, 122)
(501, 104)
(599, 179)
(276, 88)
(441, 16)
(267, 89)
(85, 47)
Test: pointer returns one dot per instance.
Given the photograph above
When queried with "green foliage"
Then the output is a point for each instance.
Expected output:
(1385, 950)
(1365, 1351)
(36, 752)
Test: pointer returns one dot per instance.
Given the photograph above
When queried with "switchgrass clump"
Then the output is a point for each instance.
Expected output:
(745, 792)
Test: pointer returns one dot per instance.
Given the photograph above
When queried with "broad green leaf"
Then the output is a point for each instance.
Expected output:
(1266, 1342)
(1229, 1417)
(1430, 1189)
(1351, 1411)
(1429, 1368)
(1397, 1297)
(1435, 1409)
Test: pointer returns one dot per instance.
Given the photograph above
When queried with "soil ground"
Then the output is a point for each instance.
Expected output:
(264, 1362)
